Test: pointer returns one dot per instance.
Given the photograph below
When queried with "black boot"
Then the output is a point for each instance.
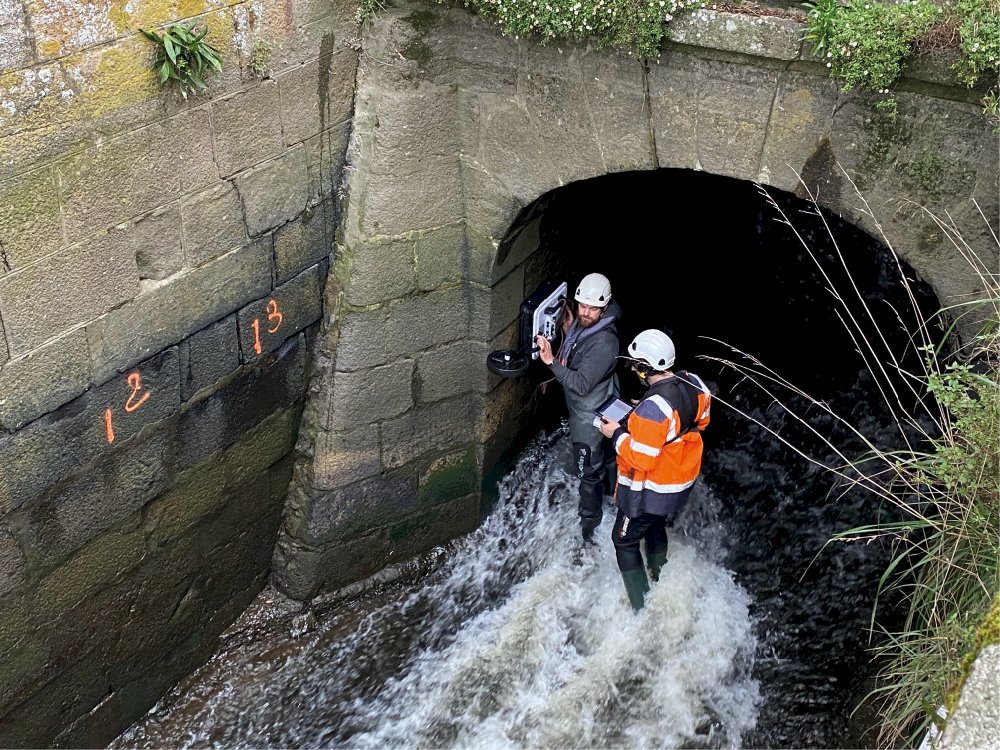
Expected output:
(656, 562)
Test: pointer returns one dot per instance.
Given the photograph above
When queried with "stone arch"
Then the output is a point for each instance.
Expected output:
(456, 131)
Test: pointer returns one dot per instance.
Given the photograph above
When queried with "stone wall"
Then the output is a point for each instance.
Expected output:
(161, 270)
(457, 130)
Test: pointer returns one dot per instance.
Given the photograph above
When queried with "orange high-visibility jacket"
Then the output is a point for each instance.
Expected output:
(659, 454)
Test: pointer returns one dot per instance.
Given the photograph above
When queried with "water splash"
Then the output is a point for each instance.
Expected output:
(518, 638)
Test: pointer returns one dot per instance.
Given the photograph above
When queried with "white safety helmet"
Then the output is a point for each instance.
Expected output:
(594, 290)
(654, 348)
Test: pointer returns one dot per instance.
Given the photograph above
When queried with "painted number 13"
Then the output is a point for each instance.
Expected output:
(274, 319)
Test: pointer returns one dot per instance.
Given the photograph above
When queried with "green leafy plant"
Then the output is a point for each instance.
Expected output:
(822, 16)
(367, 10)
(184, 56)
(870, 40)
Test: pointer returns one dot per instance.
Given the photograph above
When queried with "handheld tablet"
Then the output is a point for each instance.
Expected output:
(614, 409)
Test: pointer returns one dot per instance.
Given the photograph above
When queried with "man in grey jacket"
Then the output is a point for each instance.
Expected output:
(585, 367)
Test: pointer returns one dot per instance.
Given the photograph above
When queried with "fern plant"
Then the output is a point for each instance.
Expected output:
(184, 56)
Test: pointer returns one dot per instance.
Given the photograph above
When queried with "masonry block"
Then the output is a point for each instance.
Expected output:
(674, 86)
(208, 356)
(305, 241)
(266, 444)
(368, 396)
(423, 531)
(156, 238)
(43, 380)
(415, 125)
(265, 324)
(4, 353)
(49, 448)
(65, 289)
(214, 423)
(380, 271)
(187, 303)
(212, 223)
(340, 458)
(15, 42)
(110, 495)
(317, 95)
(121, 177)
(325, 156)
(451, 370)
(411, 325)
(274, 192)
(197, 494)
(247, 127)
(444, 256)
(436, 427)
(490, 208)
(449, 477)
(391, 207)
(11, 562)
(355, 510)
(30, 227)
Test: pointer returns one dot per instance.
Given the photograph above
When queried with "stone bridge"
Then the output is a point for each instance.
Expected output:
(180, 278)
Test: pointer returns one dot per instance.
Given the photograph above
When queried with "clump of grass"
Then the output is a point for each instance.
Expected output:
(943, 487)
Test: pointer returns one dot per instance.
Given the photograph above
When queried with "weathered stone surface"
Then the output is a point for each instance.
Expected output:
(802, 115)
(197, 494)
(43, 380)
(156, 238)
(11, 562)
(111, 494)
(507, 296)
(303, 242)
(15, 43)
(213, 223)
(61, 27)
(71, 287)
(120, 177)
(675, 82)
(208, 356)
(975, 724)
(317, 95)
(414, 126)
(214, 423)
(88, 570)
(381, 270)
(247, 127)
(30, 227)
(341, 458)
(766, 36)
(262, 447)
(4, 352)
(411, 325)
(391, 209)
(451, 370)
(449, 477)
(443, 425)
(616, 105)
(265, 324)
(274, 192)
(354, 511)
(187, 303)
(325, 157)
(490, 208)
(368, 396)
(50, 447)
(444, 256)
(422, 531)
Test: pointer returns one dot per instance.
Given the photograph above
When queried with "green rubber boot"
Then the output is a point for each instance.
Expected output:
(656, 563)
(636, 586)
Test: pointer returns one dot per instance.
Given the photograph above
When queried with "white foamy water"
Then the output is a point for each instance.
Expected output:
(520, 639)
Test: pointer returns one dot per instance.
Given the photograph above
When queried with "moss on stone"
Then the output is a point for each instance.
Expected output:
(422, 21)
(418, 51)
(923, 174)
(449, 479)
(987, 634)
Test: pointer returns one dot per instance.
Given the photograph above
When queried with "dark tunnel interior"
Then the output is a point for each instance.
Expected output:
(711, 261)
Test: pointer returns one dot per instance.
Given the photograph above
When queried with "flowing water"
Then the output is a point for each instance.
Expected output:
(516, 637)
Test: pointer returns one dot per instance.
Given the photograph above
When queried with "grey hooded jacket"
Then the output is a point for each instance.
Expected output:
(588, 377)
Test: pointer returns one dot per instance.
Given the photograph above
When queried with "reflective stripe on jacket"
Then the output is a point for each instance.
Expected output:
(659, 455)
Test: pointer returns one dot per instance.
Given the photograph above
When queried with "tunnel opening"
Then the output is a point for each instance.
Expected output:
(714, 263)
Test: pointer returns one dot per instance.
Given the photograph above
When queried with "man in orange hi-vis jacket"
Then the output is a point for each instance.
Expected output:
(659, 458)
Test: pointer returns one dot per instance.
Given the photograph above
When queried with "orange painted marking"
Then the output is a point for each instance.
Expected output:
(256, 337)
(273, 314)
(135, 383)
(109, 431)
